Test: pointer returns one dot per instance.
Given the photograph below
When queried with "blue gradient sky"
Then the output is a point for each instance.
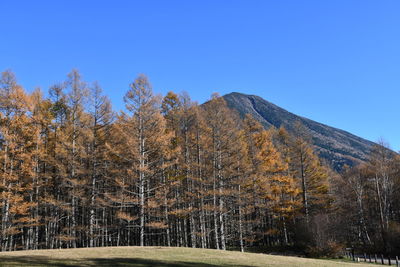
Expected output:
(336, 62)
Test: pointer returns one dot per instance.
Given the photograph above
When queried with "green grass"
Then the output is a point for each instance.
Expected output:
(156, 256)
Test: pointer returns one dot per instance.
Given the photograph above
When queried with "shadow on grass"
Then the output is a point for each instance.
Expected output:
(126, 262)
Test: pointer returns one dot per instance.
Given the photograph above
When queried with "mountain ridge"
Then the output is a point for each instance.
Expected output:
(338, 147)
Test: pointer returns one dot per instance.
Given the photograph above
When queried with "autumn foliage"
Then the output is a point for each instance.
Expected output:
(165, 171)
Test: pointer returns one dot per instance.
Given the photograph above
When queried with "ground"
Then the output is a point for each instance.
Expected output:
(156, 256)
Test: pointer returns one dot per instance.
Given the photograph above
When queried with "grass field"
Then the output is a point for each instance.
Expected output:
(155, 256)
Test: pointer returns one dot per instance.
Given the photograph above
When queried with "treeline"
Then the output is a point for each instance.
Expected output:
(368, 200)
(168, 172)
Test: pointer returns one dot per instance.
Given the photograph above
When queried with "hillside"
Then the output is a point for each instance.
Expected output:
(338, 147)
(156, 256)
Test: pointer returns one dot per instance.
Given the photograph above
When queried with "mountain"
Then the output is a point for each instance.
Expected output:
(338, 147)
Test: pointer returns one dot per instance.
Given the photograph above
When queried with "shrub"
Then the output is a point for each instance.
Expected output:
(317, 239)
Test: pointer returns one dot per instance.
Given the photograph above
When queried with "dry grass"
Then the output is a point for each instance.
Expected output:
(155, 256)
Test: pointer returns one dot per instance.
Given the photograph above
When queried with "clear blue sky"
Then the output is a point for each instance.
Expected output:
(336, 62)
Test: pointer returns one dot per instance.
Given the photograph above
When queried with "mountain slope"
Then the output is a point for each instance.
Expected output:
(338, 147)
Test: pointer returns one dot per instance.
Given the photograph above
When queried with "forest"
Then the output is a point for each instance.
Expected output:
(169, 172)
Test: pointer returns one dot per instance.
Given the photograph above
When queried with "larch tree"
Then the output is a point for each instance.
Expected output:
(381, 166)
(223, 141)
(100, 120)
(143, 132)
(16, 151)
(270, 188)
(310, 173)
